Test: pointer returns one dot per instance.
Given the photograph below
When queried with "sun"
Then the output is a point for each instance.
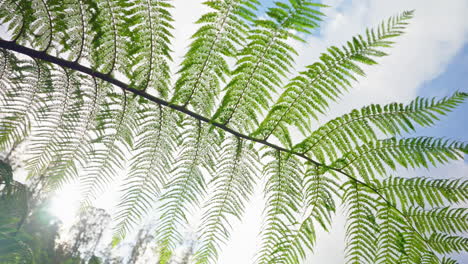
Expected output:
(65, 204)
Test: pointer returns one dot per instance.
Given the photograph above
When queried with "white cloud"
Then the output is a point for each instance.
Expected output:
(185, 13)
(435, 35)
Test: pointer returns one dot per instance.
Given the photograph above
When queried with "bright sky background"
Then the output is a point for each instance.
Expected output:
(430, 60)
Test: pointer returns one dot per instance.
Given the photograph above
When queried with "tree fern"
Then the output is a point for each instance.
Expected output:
(85, 87)
(299, 103)
(343, 133)
(149, 166)
(187, 185)
(266, 52)
(232, 186)
(205, 66)
(283, 190)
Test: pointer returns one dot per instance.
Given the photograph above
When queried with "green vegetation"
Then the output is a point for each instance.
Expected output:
(86, 91)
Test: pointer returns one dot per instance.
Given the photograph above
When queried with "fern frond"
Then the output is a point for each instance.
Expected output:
(62, 62)
(108, 51)
(115, 134)
(149, 45)
(283, 197)
(17, 15)
(249, 91)
(55, 139)
(445, 244)
(398, 240)
(307, 94)
(423, 192)
(376, 158)
(361, 226)
(187, 185)
(41, 30)
(23, 100)
(341, 134)
(390, 238)
(417, 251)
(65, 168)
(447, 260)
(149, 166)
(232, 186)
(318, 207)
(205, 67)
(402, 233)
(447, 220)
(74, 33)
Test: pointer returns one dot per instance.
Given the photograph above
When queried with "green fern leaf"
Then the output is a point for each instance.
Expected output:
(283, 193)
(187, 183)
(307, 94)
(205, 67)
(343, 133)
(232, 186)
(250, 88)
(149, 166)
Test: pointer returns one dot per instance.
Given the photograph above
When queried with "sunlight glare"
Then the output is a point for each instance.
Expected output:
(65, 204)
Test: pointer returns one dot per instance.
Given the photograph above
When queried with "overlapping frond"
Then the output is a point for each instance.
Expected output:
(149, 167)
(22, 102)
(149, 44)
(377, 157)
(423, 192)
(205, 68)
(398, 241)
(309, 93)
(408, 233)
(361, 227)
(390, 238)
(232, 187)
(317, 207)
(342, 134)
(76, 152)
(115, 136)
(187, 185)
(264, 61)
(17, 15)
(283, 201)
(109, 50)
(54, 139)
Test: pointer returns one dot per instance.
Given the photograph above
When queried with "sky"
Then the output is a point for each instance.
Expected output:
(431, 59)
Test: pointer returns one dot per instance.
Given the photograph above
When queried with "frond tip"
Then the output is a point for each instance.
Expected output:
(308, 94)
